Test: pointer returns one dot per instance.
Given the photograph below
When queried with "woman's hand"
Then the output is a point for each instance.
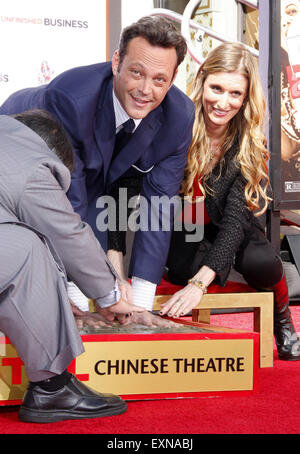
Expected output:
(185, 300)
(182, 302)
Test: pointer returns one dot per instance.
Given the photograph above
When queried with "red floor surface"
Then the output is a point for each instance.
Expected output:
(273, 409)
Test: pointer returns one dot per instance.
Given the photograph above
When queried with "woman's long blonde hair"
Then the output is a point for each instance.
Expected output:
(248, 125)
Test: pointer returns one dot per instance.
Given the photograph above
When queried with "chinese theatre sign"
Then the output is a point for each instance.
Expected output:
(152, 365)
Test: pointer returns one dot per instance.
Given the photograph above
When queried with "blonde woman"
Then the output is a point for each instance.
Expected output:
(228, 164)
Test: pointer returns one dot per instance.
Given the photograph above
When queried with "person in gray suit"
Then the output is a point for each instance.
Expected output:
(42, 240)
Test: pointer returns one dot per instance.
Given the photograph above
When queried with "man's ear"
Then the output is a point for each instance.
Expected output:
(115, 62)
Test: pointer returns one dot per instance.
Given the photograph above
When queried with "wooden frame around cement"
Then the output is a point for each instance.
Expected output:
(262, 304)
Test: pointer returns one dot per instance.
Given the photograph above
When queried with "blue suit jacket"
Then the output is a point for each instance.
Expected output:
(81, 99)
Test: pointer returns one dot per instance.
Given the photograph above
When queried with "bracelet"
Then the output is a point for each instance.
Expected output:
(198, 284)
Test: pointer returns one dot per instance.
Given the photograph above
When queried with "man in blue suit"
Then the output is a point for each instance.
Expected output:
(93, 103)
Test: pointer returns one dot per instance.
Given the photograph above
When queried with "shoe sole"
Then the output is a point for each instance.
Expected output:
(47, 416)
(289, 358)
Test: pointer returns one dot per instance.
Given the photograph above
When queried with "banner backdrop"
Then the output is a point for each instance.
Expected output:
(40, 39)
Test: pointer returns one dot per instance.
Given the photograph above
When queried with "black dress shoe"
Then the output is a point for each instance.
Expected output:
(73, 401)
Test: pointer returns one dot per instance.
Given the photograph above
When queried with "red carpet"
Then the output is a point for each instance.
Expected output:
(273, 409)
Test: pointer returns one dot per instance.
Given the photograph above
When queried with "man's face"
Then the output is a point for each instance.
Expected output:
(144, 77)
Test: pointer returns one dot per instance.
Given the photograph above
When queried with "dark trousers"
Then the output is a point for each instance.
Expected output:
(258, 262)
(255, 260)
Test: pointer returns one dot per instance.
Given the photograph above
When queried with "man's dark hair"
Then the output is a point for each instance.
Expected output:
(56, 138)
(158, 31)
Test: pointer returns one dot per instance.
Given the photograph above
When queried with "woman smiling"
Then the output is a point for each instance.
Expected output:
(227, 164)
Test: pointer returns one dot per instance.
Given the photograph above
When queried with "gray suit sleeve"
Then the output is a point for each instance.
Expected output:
(45, 206)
